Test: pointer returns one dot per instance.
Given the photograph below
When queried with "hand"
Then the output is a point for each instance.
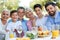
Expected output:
(15, 30)
(40, 29)
(7, 30)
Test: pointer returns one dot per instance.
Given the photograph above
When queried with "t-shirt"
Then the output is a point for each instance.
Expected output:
(2, 27)
(14, 25)
(41, 22)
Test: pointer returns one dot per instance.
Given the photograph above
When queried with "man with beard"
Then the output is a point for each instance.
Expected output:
(53, 17)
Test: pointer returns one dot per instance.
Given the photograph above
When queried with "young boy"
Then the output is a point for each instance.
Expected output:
(14, 24)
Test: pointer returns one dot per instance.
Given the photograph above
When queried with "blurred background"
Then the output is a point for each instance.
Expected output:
(13, 4)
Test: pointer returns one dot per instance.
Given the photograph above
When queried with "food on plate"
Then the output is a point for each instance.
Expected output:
(47, 33)
(30, 35)
(18, 38)
(43, 33)
(39, 28)
(25, 38)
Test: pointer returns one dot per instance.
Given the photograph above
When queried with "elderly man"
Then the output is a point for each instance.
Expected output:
(53, 17)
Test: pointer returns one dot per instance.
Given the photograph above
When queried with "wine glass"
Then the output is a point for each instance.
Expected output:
(19, 30)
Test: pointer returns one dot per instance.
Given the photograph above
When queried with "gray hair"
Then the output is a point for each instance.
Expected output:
(29, 9)
(6, 10)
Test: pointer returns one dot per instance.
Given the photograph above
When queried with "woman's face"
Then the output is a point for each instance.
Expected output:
(14, 16)
(38, 11)
(5, 15)
(29, 14)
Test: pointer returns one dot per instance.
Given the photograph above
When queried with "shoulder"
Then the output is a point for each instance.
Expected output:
(24, 20)
(10, 20)
(45, 17)
(59, 12)
(10, 23)
(19, 21)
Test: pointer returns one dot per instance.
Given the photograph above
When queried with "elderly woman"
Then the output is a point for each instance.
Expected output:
(3, 20)
(30, 23)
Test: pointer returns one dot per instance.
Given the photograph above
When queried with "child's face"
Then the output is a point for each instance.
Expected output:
(14, 16)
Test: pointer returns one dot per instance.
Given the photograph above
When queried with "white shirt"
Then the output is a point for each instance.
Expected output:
(41, 22)
(13, 25)
(2, 27)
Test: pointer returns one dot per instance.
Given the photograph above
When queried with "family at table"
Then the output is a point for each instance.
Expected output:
(14, 20)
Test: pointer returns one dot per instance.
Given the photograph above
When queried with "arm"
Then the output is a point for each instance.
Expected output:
(8, 28)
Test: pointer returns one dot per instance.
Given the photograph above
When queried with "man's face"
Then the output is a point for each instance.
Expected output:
(38, 11)
(5, 15)
(51, 10)
(21, 13)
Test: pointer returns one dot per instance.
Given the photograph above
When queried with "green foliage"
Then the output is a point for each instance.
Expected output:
(11, 5)
(58, 4)
(43, 2)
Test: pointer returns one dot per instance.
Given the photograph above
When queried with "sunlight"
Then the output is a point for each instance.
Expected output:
(24, 3)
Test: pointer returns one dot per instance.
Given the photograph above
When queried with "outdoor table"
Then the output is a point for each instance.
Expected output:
(45, 38)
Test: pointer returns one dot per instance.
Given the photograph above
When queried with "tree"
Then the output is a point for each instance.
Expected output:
(11, 5)
(43, 2)
(8, 4)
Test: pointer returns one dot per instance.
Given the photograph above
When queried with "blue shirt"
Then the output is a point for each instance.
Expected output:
(53, 21)
(24, 24)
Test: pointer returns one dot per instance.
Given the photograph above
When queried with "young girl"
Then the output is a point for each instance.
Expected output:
(14, 25)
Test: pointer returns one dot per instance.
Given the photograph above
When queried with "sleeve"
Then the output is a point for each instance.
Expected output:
(9, 27)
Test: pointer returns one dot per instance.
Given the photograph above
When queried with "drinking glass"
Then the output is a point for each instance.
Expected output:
(55, 31)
